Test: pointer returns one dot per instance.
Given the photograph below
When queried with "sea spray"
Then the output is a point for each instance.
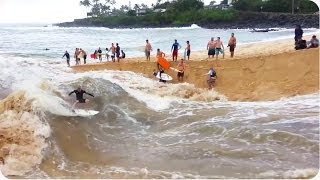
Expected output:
(23, 135)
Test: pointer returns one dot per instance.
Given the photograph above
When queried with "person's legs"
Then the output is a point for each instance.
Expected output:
(84, 59)
(68, 62)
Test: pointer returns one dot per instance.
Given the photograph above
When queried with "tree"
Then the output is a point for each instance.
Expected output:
(85, 3)
(185, 5)
(212, 3)
(224, 2)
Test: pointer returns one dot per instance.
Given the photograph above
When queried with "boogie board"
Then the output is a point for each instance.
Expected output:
(85, 112)
(164, 76)
(163, 63)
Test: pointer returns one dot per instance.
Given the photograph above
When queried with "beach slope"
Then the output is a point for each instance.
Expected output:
(256, 78)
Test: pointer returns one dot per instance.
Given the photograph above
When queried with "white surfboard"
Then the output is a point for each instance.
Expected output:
(164, 76)
(85, 112)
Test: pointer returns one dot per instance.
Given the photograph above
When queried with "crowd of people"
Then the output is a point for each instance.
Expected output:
(214, 48)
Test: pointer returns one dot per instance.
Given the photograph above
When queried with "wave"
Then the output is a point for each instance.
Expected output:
(23, 132)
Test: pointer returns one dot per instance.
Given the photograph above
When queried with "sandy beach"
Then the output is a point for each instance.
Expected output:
(259, 71)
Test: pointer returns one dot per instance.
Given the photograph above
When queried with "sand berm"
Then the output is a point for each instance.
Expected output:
(259, 71)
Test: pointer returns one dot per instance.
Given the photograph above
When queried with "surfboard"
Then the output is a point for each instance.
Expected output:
(163, 63)
(85, 112)
(164, 76)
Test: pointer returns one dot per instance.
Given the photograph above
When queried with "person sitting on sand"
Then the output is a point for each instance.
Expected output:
(301, 44)
(160, 53)
(123, 55)
(212, 76)
(181, 67)
(314, 42)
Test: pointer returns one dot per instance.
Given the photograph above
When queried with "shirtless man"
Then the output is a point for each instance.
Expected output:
(211, 47)
(147, 49)
(232, 44)
(160, 53)
(219, 48)
(76, 56)
(113, 52)
(181, 67)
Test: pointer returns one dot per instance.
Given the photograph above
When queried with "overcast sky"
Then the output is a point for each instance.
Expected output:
(49, 11)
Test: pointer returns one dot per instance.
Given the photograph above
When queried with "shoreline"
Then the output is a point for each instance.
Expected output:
(259, 71)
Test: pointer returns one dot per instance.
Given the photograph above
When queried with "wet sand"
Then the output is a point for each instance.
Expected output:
(259, 71)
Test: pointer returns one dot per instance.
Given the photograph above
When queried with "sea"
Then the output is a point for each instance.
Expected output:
(144, 129)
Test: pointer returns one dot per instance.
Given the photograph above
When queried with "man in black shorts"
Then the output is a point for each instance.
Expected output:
(118, 52)
(79, 94)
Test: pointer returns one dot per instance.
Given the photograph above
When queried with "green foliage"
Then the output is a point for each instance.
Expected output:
(285, 6)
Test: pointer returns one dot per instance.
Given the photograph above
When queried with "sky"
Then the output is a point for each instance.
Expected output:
(49, 11)
(52, 11)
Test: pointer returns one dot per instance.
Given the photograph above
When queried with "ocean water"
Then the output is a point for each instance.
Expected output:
(144, 129)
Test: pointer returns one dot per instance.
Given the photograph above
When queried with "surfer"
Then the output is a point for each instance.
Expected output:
(67, 55)
(79, 94)
(100, 54)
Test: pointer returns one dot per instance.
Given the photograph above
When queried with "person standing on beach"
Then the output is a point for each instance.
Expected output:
(219, 48)
(188, 50)
(181, 67)
(118, 52)
(76, 56)
(160, 53)
(113, 52)
(107, 54)
(84, 54)
(232, 44)
(211, 47)
(175, 47)
(100, 54)
(67, 55)
(148, 49)
(298, 33)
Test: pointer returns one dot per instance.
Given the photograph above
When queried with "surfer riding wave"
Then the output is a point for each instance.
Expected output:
(79, 95)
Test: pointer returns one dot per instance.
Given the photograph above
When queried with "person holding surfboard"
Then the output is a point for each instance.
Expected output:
(187, 50)
(160, 53)
(175, 47)
(79, 95)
